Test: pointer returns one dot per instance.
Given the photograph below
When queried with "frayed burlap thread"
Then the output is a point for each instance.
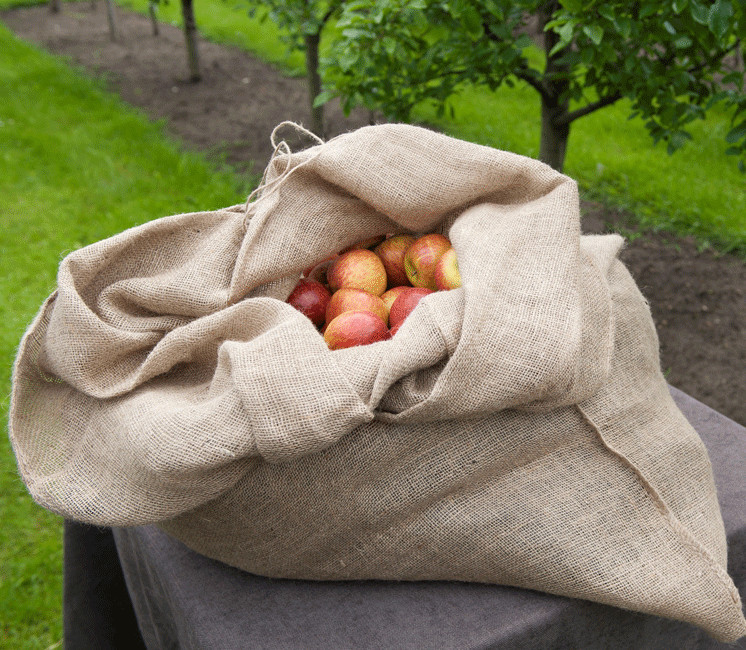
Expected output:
(515, 431)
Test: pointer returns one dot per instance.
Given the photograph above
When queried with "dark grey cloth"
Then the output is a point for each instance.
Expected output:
(97, 609)
(184, 600)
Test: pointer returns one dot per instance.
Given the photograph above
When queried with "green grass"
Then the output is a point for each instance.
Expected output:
(228, 22)
(697, 191)
(76, 166)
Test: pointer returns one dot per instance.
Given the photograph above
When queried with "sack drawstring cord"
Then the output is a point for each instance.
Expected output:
(280, 149)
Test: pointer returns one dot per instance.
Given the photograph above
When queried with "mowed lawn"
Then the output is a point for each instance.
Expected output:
(697, 191)
(76, 166)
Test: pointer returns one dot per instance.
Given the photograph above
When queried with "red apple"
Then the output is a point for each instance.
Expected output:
(355, 300)
(369, 243)
(357, 269)
(311, 298)
(391, 295)
(405, 303)
(421, 258)
(355, 328)
(391, 251)
(447, 275)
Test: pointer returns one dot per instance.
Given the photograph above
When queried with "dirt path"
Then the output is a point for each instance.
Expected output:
(697, 298)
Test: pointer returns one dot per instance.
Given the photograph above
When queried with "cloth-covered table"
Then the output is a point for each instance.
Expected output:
(138, 586)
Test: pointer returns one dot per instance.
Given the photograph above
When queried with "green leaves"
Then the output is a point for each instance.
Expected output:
(594, 32)
(677, 140)
(323, 97)
(565, 32)
(607, 12)
(719, 17)
(683, 42)
(699, 12)
(298, 17)
(737, 133)
(666, 56)
(472, 23)
(347, 58)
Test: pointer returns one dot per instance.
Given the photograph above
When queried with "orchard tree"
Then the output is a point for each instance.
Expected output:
(302, 22)
(111, 19)
(673, 59)
(153, 13)
(190, 36)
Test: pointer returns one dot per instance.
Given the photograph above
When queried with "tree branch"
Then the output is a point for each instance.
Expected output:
(523, 72)
(719, 55)
(590, 108)
(329, 14)
(525, 75)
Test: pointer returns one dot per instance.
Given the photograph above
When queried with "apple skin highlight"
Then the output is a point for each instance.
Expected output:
(353, 328)
(447, 274)
(311, 298)
(422, 257)
(358, 269)
(392, 251)
(355, 300)
(405, 304)
(392, 294)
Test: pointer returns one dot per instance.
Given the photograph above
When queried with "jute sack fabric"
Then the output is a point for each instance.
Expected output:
(515, 431)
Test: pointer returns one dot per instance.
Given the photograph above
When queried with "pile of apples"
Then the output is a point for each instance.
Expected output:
(364, 294)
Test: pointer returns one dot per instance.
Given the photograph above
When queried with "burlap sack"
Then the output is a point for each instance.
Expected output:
(515, 431)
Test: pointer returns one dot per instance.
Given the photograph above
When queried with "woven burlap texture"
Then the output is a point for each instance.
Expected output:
(516, 431)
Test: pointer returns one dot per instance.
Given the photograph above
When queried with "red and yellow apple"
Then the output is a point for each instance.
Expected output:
(447, 275)
(405, 304)
(392, 294)
(355, 296)
(355, 300)
(422, 257)
(311, 298)
(391, 251)
(352, 328)
(357, 269)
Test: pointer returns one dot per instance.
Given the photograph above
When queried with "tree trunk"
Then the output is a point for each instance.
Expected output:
(190, 34)
(314, 82)
(553, 136)
(111, 18)
(153, 17)
(554, 106)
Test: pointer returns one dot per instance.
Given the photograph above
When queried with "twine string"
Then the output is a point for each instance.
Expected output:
(280, 149)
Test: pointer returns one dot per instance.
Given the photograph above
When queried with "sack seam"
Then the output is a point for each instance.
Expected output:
(684, 535)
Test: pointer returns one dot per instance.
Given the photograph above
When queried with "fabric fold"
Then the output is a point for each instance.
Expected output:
(515, 431)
